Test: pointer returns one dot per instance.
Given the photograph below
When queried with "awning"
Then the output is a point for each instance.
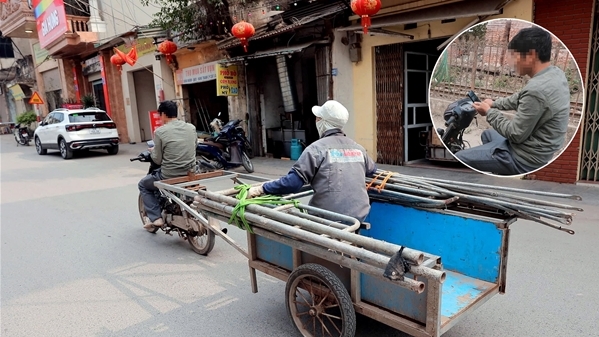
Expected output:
(270, 52)
(456, 10)
(298, 17)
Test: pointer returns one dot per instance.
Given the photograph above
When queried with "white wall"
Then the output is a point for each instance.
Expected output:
(163, 79)
(343, 82)
(121, 16)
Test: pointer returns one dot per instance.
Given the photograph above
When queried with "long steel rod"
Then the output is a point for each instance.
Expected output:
(499, 188)
(369, 243)
(408, 283)
(366, 256)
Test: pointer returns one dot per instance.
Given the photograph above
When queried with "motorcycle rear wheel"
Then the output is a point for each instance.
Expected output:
(142, 213)
(246, 162)
(202, 243)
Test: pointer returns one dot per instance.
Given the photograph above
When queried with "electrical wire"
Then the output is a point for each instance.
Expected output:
(68, 4)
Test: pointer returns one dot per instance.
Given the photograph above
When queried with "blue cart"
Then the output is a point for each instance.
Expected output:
(452, 261)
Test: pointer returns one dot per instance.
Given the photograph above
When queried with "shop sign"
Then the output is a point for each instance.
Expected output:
(197, 74)
(91, 66)
(51, 20)
(16, 92)
(39, 54)
(155, 121)
(227, 83)
(144, 46)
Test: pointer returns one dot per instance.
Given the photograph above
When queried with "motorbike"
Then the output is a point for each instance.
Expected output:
(22, 134)
(229, 148)
(175, 219)
(458, 116)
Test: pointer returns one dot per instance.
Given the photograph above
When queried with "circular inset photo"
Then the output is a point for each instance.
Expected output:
(506, 97)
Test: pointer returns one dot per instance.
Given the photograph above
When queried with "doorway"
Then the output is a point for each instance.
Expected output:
(144, 96)
(98, 91)
(417, 118)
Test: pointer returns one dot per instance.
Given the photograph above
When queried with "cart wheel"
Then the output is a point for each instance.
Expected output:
(201, 242)
(142, 213)
(318, 303)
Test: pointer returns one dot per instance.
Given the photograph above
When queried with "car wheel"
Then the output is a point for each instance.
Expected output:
(113, 149)
(65, 151)
(39, 148)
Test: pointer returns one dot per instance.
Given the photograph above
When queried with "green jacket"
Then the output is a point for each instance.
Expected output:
(175, 148)
(539, 127)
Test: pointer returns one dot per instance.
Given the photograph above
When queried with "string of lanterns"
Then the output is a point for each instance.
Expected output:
(244, 30)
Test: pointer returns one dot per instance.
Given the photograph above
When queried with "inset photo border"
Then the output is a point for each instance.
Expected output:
(498, 105)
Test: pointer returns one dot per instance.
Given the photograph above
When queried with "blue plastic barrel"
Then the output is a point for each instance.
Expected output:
(296, 149)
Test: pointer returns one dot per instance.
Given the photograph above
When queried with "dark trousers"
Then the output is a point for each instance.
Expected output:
(149, 195)
(494, 156)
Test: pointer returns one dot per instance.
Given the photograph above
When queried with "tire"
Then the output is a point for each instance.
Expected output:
(247, 163)
(332, 311)
(113, 150)
(248, 149)
(19, 139)
(39, 148)
(65, 151)
(142, 213)
(203, 241)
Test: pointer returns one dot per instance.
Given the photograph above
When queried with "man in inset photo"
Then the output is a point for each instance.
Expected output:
(537, 131)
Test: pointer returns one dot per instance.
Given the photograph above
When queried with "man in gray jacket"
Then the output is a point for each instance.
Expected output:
(529, 140)
(175, 150)
(335, 166)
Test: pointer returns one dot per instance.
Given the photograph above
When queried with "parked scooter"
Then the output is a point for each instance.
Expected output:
(458, 117)
(22, 134)
(175, 219)
(229, 148)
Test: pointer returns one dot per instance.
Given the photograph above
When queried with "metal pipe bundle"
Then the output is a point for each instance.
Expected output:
(438, 193)
(320, 243)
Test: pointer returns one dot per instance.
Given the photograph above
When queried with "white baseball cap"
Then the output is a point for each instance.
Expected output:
(332, 112)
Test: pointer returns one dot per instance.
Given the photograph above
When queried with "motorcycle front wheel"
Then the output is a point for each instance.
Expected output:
(246, 162)
(19, 139)
(142, 213)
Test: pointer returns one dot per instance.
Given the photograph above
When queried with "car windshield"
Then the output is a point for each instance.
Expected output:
(83, 117)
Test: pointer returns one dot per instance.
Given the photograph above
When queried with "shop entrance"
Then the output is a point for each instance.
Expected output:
(205, 105)
(144, 97)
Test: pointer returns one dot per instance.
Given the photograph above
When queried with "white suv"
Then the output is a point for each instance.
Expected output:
(73, 130)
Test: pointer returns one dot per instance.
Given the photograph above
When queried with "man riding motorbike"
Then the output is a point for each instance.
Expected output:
(335, 167)
(175, 150)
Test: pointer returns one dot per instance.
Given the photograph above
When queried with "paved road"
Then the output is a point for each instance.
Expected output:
(76, 262)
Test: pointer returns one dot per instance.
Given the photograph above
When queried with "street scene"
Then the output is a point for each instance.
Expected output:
(76, 261)
(299, 168)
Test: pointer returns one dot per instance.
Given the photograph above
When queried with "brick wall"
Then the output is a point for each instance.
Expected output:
(115, 95)
(571, 21)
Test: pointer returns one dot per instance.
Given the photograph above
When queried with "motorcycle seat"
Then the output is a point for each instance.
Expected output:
(218, 145)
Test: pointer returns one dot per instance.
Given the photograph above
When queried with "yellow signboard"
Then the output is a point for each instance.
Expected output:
(227, 83)
(144, 46)
(16, 92)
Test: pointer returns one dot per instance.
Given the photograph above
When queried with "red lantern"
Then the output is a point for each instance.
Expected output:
(366, 9)
(117, 61)
(168, 48)
(243, 31)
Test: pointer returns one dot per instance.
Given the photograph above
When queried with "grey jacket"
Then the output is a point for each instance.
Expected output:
(175, 148)
(539, 127)
(335, 166)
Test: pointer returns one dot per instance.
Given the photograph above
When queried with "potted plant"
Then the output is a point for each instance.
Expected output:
(88, 101)
(26, 119)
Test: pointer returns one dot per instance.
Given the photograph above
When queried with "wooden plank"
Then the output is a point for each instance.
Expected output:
(391, 319)
(270, 269)
(252, 256)
(193, 177)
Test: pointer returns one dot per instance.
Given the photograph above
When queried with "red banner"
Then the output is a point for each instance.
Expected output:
(51, 20)
(155, 121)
(104, 86)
